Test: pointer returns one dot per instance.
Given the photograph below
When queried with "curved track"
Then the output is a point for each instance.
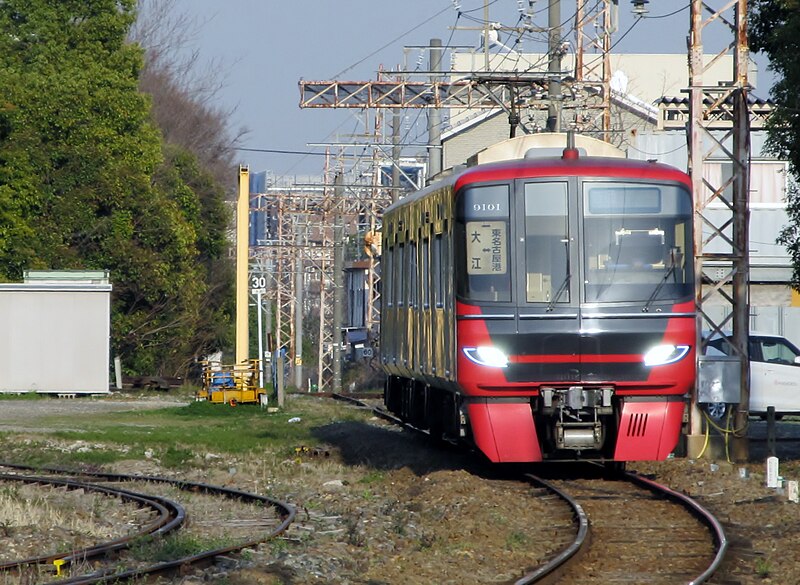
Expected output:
(629, 530)
(169, 515)
(285, 512)
(641, 532)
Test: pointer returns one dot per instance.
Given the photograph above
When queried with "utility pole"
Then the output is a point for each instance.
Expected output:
(434, 114)
(300, 220)
(554, 65)
(396, 118)
(338, 280)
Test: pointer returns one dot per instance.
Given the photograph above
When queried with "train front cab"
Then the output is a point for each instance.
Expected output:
(575, 313)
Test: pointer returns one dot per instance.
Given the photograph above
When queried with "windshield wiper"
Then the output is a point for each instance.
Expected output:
(662, 282)
(567, 278)
(559, 292)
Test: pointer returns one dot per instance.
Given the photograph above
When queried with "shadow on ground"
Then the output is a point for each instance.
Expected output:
(392, 448)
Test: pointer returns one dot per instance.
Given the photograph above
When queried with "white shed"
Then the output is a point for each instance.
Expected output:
(54, 333)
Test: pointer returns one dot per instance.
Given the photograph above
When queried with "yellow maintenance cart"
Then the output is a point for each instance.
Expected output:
(232, 384)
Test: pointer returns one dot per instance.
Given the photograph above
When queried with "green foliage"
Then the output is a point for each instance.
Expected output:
(373, 476)
(775, 30)
(85, 182)
(176, 457)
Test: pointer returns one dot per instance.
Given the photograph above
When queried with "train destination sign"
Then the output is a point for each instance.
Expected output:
(486, 247)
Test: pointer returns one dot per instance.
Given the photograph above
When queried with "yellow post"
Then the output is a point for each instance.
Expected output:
(59, 563)
(242, 259)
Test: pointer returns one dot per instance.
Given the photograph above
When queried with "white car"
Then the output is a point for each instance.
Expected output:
(774, 374)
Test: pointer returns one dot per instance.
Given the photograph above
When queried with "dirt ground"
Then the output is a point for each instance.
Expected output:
(378, 505)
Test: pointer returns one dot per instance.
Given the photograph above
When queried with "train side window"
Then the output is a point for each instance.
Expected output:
(413, 263)
(547, 269)
(426, 274)
(447, 260)
(436, 273)
(388, 277)
(399, 293)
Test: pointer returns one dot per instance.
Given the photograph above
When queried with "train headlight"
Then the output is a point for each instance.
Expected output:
(665, 354)
(486, 356)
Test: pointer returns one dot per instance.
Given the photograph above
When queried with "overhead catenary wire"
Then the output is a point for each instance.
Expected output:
(460, 13)
(371, 54)
(390, 43)
(678, 11)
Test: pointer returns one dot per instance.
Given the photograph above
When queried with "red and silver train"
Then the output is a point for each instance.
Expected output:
(543, 309)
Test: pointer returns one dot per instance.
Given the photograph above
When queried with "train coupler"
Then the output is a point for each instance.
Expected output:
(576, 413)
(579, 435)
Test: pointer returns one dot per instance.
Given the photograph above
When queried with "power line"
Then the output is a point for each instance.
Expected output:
(279, 151)
(378, 50)
(667, 15)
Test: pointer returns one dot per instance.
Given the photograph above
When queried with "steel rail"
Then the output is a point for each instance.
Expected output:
(170, 516)
(552, 568)
(555, 566)
(700, 512)
(376, 410)
(285, 511)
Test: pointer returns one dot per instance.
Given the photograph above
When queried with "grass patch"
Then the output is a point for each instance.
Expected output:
(173, 546)
(42, 453)
(176, 435)
(94, 457)
(373, 476)
(25, 396)
(517, 541)
(763, 568)
(176, 457)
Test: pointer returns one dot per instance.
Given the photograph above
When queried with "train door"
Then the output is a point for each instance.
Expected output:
(547, 287)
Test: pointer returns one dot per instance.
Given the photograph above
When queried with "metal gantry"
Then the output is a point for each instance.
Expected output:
(721, 244)
(719, 117)
(293, 257)
(585, 91)
(586, 88)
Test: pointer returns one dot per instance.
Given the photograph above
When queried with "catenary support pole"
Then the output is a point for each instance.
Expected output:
(554, 66)
(434, 115)
(338, 281)
(299, 228)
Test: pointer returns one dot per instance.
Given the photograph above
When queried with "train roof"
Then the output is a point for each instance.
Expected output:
(552, 166)
(570, 167)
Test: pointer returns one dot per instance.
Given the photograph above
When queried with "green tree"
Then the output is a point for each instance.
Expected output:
(86, 183)
(775, 30)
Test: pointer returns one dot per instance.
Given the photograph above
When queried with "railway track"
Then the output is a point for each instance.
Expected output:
(580, 528)
(639, 532)
(168, 517)
(628, 529)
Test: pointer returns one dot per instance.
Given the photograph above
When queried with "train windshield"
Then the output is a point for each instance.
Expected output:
(482, 225)
(637, 242)
(547, 272)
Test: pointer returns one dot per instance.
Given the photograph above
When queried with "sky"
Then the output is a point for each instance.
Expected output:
(261, 49)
